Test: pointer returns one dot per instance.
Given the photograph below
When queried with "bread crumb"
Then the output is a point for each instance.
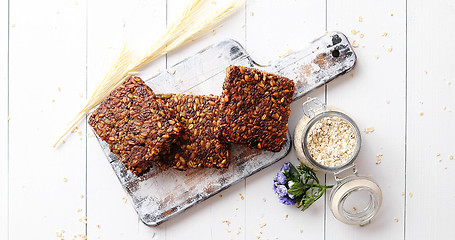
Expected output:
(262, 224)
(286, 217)
(389, 49)
(354, 32)
(410, 194)
(391, 14)
(396, 219)
(65, 179)
(258, 236)
(82, 196)
(438, 154)
(368, 129)
(384, 34)
(450, 156)
(360, 19)
(361, 35)
(228, 230)
(420, 113)
(449, 82)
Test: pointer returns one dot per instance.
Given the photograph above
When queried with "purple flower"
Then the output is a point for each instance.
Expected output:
(286, 201)
(290, 184)
(286, 167)
(280, 178)
(281, 190)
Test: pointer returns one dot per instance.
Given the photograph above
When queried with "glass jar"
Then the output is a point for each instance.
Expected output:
(354, 199)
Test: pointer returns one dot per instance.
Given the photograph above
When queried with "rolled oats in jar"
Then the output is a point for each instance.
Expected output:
(327, 139)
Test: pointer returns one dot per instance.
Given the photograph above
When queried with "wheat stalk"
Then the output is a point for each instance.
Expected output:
(174, 37)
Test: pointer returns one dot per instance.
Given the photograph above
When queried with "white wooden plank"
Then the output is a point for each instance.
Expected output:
(431, 207)
(378, 77)
(273, 29)
(139, 23)
(206, 219)
(4, 27)
(47, 74)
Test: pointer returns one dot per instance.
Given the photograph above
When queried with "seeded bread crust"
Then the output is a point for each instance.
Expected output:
(255, 108)
(138, 127)
(199, 144)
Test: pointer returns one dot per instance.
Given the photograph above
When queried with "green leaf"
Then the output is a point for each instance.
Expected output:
(297, 189)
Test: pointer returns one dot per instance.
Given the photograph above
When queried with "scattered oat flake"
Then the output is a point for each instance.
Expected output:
(450, 156)
(410, 194)
(353, 31)
(396, 219)
(384, 34)
(368, 129)
(378, 158)
(360, 19)
(389, 49)
(361, 35)
(286, 53)
(355, 44)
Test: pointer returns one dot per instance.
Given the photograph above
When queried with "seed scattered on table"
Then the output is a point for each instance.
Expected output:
(353, 31)
(361, 35)
(355, 44)
(368, 129)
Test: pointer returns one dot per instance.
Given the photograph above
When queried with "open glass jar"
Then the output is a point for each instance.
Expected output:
(328, 140)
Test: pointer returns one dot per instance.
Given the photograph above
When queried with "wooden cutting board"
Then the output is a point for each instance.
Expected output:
(160, 195)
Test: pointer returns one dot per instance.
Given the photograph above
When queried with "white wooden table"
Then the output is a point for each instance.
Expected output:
(54, 52)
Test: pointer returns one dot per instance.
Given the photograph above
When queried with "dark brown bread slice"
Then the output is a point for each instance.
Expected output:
(137, 125)
(198, 144)
(255, 108)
